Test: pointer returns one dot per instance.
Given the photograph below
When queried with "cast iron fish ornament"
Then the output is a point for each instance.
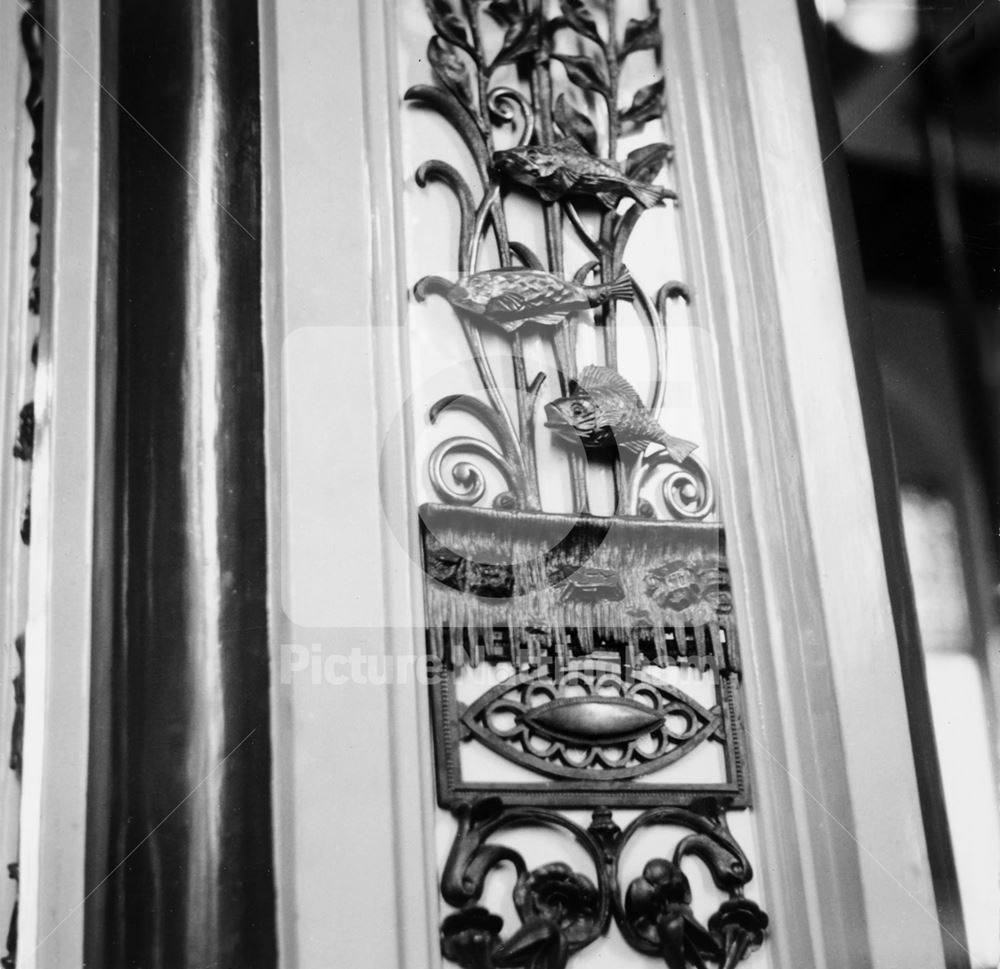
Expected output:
(511, 298)
(564, 168)
(605, 409)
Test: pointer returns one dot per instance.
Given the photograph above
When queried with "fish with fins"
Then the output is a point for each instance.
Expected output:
(512, 298)
(565, 168)
(605, 409)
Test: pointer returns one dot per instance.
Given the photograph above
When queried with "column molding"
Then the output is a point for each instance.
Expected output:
(844, 860)
(60, 609)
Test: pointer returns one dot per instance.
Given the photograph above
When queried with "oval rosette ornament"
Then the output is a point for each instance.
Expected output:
(585, 727)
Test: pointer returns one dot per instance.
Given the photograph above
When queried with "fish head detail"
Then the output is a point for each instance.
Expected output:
(574, 418)
(601, 295)
(526, 164)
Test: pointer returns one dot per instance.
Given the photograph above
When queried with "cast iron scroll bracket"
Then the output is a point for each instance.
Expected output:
(562, 911)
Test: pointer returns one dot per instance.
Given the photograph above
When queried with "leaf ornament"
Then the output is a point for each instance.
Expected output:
(575, 124)
(646, 105)
(641, 35)
(504, 12)
(585, 73)
(580, 19)
(446, 22)
(450, 70)
(521, 39)
(645, 163)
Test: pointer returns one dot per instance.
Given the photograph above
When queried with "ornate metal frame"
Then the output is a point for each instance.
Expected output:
(580, 617)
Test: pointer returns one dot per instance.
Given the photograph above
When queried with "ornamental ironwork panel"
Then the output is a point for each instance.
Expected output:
(584, 613)
(584, 656)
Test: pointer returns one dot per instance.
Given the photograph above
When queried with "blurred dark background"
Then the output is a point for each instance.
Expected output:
(916, 88)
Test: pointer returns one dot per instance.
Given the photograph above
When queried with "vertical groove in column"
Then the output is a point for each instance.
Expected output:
(189, 774)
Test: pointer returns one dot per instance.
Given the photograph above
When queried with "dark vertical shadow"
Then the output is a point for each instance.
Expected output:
(180, 818)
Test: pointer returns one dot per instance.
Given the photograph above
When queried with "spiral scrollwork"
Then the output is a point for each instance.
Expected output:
(502, 102)
(688, 492)
(465, 483)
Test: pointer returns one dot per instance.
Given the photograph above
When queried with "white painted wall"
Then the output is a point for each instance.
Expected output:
(838, 842)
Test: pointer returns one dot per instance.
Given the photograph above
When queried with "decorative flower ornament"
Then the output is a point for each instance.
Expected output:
(560, 911)
(658, 910)
(468, 937)
(560, 895)
(673, 586)
(740, 925)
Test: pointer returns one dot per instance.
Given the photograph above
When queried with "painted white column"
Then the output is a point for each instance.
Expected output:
(59, 631)
(18, 328)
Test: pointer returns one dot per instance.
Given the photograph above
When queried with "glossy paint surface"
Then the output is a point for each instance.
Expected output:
(189, 824)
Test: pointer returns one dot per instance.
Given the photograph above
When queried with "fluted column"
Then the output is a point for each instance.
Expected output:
(188, 779)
